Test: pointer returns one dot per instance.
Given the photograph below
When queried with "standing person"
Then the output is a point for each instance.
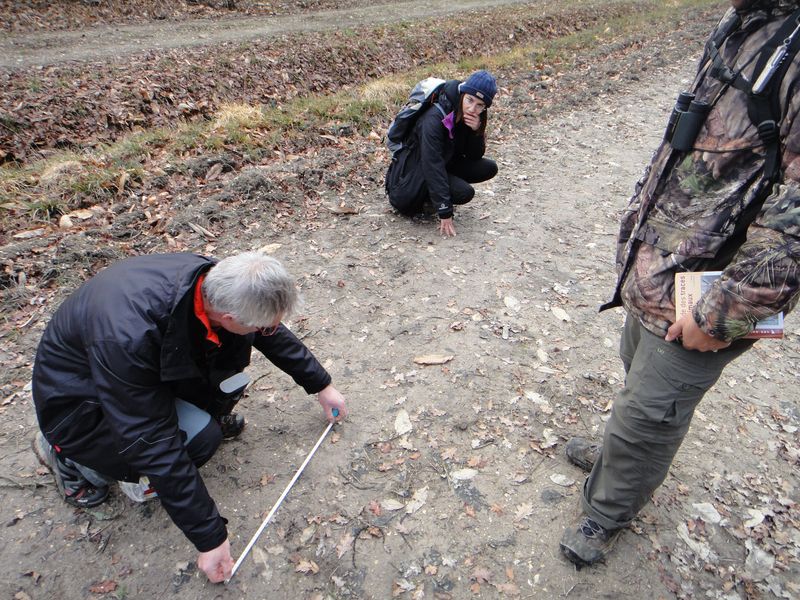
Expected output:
(443, 153)
(727, 201)
(132, 379)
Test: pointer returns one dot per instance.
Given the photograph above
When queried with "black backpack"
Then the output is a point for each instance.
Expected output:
(424, 95)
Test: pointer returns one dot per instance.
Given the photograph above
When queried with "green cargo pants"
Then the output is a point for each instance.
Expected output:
(650, 417)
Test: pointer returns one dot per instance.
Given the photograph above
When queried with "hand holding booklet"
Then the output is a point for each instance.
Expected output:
(689, 287)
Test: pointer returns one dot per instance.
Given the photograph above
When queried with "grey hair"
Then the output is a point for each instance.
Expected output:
(253, 287)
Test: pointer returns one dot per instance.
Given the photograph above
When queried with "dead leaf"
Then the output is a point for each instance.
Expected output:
(214, 172)
(260, 557)
(523, 511)
(508, 588)
(307, 566)
(561, 480)
(391, 504)
(481, 575)
(104, 587)
(34, 576)
(476, 462)
(31, 233)
(82, 214)
(342, 210)
(375, 508)
(269, 248)
(433, 359)
(402, 423)
(417, 500)
(512, 303)
(464, 474)
(122, 181)
(307, 534)
(344, 544)
(401, 586)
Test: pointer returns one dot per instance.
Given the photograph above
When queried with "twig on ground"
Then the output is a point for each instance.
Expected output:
(19, 485)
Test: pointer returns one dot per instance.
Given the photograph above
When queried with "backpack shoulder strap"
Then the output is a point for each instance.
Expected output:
(763, 103)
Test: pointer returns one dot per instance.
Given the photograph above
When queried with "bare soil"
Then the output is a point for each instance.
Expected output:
(471, 502)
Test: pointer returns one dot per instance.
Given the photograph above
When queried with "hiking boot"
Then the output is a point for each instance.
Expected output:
(75, 488)
(582, 453)
(231, 425)
(140, 491)
(587, 542)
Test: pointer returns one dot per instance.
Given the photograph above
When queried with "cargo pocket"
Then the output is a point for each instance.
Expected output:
(666, 385)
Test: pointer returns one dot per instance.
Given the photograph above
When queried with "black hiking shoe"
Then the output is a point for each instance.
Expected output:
(582, 453)
(75, 488)
(231, 425)
(587, 542)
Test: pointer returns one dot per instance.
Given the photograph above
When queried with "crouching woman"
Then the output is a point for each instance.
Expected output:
(443, 153)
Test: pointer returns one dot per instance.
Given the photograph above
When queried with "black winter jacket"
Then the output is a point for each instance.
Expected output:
(115, 356)
(431, 146)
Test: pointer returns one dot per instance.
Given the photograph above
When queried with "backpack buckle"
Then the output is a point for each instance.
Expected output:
(768, 131)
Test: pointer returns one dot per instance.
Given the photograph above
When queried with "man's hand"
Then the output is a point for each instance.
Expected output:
(692, 337)
(472, 121)
(217, 564)
(330, 398)
(446, 227)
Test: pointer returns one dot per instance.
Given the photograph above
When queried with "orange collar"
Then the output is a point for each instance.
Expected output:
(200, 311)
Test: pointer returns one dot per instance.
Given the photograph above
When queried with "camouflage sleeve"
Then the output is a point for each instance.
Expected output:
(764, 276)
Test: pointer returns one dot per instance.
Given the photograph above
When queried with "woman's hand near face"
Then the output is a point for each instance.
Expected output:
(472, 121)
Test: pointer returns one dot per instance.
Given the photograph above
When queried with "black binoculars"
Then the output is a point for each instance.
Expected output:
(685, 121)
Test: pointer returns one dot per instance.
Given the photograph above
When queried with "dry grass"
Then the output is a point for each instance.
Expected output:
(238, 116)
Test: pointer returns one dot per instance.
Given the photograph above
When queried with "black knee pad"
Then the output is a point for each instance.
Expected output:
(205, 444)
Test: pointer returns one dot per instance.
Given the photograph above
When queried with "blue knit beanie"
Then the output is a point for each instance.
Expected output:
(481, 85)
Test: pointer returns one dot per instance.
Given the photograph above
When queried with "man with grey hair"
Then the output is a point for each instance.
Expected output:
(722, 193)
(138, 371)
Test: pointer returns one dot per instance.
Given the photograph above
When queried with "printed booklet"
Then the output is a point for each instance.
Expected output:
(690, 286)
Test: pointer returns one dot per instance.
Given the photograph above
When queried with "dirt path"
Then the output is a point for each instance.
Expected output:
(24, 50)
(471, 502)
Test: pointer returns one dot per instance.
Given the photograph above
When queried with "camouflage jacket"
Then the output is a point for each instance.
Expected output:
(712, 209)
